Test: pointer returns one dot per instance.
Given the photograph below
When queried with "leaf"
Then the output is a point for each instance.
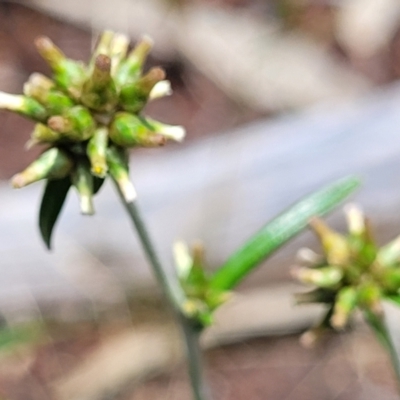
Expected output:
(97, 183)
(382, 333)
(52, 202)
(377, 325)
(277, 232)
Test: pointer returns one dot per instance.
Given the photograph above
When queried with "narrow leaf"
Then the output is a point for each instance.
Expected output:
(279, 231)
(52, 202)
(382, 333)
(97, 184)
(379, 328)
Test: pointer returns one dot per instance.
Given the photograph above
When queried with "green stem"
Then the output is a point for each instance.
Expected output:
(172, 291)
(195, 359)
(176, 297)
(379, 327)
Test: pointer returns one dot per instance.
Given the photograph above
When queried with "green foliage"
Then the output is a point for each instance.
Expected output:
(200, 299)
(277, 232)
(204, 292)
(53, 200)
(78, 113)
(364, 274)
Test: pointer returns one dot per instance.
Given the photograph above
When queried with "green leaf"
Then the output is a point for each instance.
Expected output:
(277, 232)
(97, 183)
(378, 326)
(52, 202)
(381, 331)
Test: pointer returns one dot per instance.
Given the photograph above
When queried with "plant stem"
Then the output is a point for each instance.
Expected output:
(176, 297)
(195, 359)
(172, 290)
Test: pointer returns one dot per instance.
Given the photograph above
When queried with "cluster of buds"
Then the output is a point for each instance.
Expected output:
(200, 298)
(352, 273)
(88, 116)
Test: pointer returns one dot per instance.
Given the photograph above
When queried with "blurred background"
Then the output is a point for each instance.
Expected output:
(278, 98)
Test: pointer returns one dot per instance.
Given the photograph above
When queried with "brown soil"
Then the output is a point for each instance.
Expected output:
(279, 368)
(343, 367)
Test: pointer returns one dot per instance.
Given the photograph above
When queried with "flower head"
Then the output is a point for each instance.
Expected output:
(89, 115)
(200, 298)
(352, 272)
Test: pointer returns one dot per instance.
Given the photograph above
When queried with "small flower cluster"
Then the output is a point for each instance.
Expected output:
(200, 299)
(352, 273)
(89, 115)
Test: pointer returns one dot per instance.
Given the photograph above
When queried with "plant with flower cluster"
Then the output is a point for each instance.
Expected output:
(353, 273)
(88, 116)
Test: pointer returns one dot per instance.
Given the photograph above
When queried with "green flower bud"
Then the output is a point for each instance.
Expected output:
(346, 302)
(43, 134)
(113, 45)
(390, 280)
(68, 74)
(42, 89)
(37, 84)
(103, 46)
(389, 255)
(309, 257)
(82, 179)
(99, 91)
(129, 130)
(361, 241)
(335, 246)
(196, 283)
(183, 259)
(118, 48)
(52, 164)
(160, 89)
(194, 309)
(325, 277)
(312, 336)
(355, 220)
(171, 132)
(77, 123)
(96, 151)
(23, 105)
(131, 68)
(119, 171)
(309, 338)
(134, 96)
(369, 295)
(50, 52)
